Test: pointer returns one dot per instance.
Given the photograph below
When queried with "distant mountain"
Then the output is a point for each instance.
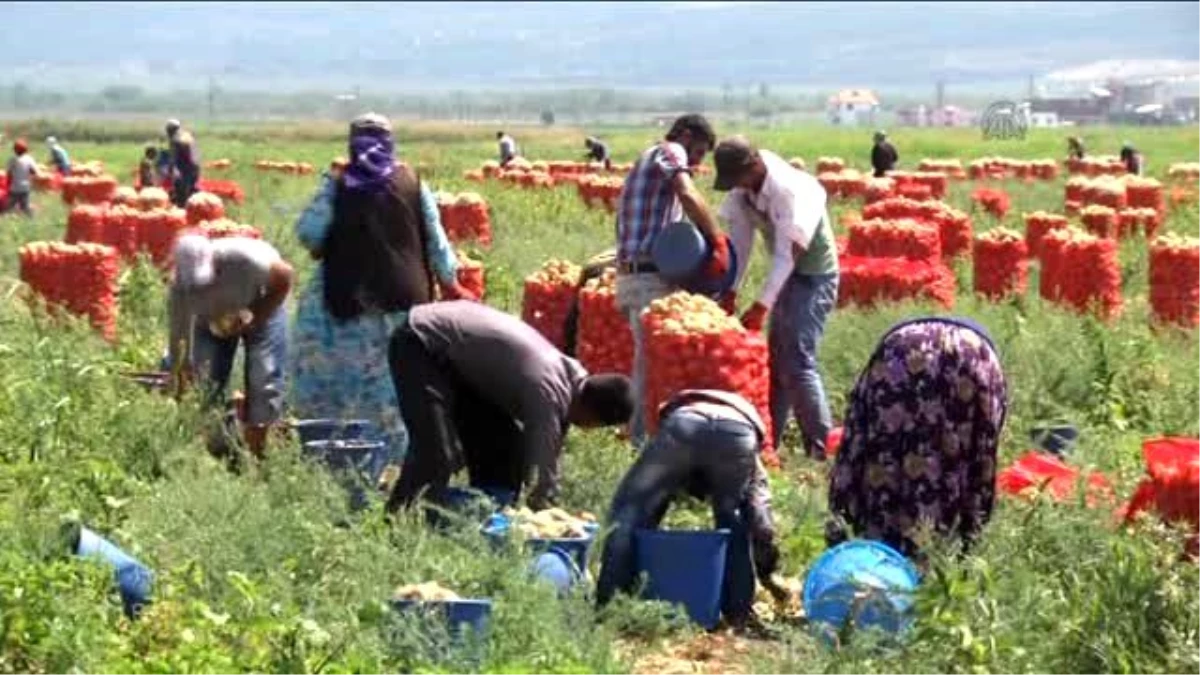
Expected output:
(674, 45)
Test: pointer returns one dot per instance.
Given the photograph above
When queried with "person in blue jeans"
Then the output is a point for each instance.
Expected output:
(787, 206)
(226, 293)
(708, 444)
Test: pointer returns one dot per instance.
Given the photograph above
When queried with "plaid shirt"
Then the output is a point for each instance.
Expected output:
(648, 201)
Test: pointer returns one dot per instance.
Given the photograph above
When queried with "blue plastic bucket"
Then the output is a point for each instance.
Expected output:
(557, 568)
(330, 429)
(680, 253)
(474, 615)
(134, 580)
(497, 526)
(686, 567)
(1056, 439)
(863, 582)
(358, 461)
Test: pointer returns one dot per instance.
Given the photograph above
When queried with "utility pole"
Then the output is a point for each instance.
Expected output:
(212, 99)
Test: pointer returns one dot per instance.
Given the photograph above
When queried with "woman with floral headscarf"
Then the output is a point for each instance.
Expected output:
(921, 432)
(377, 233)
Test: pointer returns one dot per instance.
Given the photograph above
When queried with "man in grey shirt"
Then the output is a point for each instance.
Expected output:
(474, 377)
(226, 292)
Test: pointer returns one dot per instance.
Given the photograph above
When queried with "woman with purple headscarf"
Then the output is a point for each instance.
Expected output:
(376, 231)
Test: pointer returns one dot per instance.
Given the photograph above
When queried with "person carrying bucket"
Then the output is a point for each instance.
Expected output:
(787, 206)
(708, 444)
(921, 431)
(225, 292)
(474, 377)
(658, 192)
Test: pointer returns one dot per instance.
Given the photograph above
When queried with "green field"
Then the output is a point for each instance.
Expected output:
(254, 574)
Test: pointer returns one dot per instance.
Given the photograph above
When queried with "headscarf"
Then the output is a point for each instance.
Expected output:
(372, 154)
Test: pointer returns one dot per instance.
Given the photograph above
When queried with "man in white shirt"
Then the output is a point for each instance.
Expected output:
(787, 206)
(508, 148)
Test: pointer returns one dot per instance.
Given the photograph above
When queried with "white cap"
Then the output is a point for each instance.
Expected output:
(51, 140)
(193, 261)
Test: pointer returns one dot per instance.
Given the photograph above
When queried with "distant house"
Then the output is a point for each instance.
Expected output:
(853, 107)
(1091, 110)
(1043, 120)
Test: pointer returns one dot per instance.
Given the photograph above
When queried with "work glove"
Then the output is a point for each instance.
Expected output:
(718, 263)
(755, 317)
(728, 302)
(456, 291)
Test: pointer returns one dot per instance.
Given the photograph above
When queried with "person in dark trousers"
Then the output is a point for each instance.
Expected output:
(1134, 163)
(883, 155)
(148, 168)
(597, 151)
(1075, 148)
(474, 377)
(596, 266)
(708, 444)
(185, 162)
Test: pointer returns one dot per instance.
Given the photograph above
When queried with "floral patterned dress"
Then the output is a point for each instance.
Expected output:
(340, 369)
(921, 433)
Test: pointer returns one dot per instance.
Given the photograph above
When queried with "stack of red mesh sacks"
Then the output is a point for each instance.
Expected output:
(691, 343)
(1175, 280)
(227, 190)
(993, 201)
(80, 278)
(846, 184)
(605, 343)
(85, 222)
(830, 165)
(1001, 264)
(600, 191)
(88, 189)
(224, 228)
(1171, 485)
(1145, 206)
(1037, 224)
(1099, 220)
(953, 225)
(465, 218)
(470, 274)
(204, 206)
(549, 295)
(157, 225)
(893, 260)
(1081, 271)
(951, 168)
(932, 182)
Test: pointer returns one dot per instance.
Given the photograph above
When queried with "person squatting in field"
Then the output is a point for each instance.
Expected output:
(657, 192)
(376, 231)
(708, 445)
(787, 206)
(185, 163)
(58, 156)
(227, 292)
(21, 171)
(883, 155)
(1135, 163)
(921, 431)
(1075, 148)
(508, 148)
(468, 373)
(597, 151)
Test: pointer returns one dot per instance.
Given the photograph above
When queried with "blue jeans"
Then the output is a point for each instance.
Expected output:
(708, 456)
(797, 324)
(19, 201)
(266, 358)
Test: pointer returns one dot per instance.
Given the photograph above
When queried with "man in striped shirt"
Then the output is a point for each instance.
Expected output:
(659, 191)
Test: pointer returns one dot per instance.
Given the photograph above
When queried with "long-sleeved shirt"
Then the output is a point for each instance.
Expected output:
(185, 156)
(512, 366)
(314, 222)
(790, 213)
(756, 504)
(598, 151)
(61, 160)
(243, 268)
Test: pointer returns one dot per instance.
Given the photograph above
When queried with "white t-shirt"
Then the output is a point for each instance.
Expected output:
(20, 174)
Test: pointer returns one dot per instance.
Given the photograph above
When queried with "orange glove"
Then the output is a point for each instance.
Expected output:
(728, 302)
(718, 264)
(755, 317)
(456, 291)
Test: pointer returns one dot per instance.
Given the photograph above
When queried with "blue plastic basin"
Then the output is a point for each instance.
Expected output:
(359, 462)
(134, 580)
(474, 614)
(1057, 439)
(497, 526)
(330, 429)
(866, 583)
(557, 568)
(684, 567)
